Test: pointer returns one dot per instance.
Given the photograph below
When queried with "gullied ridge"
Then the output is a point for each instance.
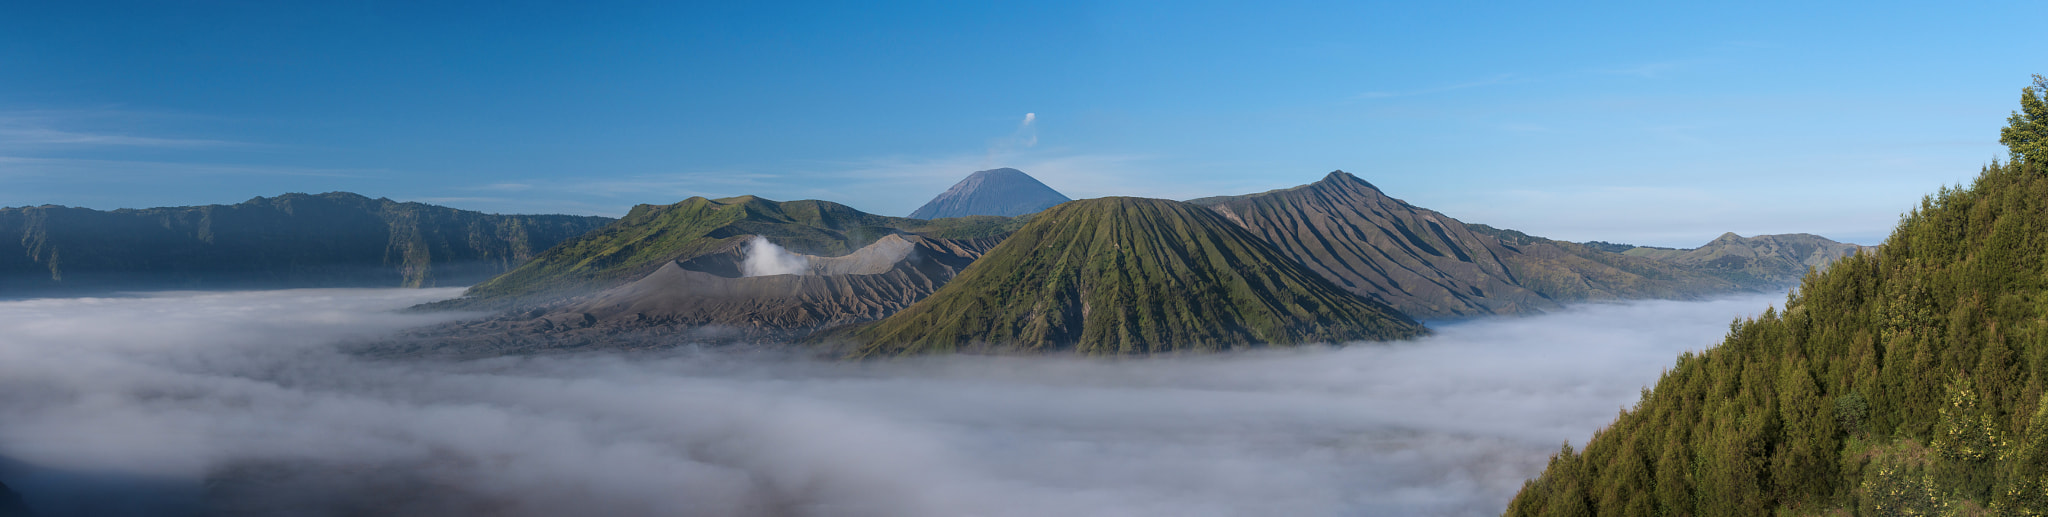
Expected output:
(335, 239)
(1432, 266)
(998, 192)
(1116, 276)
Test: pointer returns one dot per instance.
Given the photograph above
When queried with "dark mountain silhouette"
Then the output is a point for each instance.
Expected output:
(1116, 276)
(295, 240)
(999, 192)
(11, 504)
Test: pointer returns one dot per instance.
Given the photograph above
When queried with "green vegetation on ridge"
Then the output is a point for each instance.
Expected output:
(1908, 380)
(652, 235)
(1115, 276)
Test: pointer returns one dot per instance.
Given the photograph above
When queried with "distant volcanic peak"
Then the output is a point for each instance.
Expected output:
(1341, 179)
(1002, 192)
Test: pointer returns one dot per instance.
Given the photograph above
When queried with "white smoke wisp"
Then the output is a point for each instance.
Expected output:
(238, 403)
(1024, 137)
(764, 258)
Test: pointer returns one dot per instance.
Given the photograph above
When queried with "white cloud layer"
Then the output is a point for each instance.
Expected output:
(236, 400)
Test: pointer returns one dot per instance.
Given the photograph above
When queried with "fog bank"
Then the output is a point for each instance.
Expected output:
(235, 402)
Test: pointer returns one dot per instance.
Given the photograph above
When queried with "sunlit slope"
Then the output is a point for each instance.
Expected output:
(1121, 275)
(1905, 381)
(652, 235)
(294, 240)
(1430, 265)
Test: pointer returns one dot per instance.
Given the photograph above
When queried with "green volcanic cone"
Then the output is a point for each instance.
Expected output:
(1121, 275)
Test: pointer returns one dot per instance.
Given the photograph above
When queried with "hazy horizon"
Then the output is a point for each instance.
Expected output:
(1659, 125)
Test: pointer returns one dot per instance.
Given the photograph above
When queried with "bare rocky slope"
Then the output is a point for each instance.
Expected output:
(706, 299)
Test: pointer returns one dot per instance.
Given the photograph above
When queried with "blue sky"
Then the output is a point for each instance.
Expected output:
(1650, 124)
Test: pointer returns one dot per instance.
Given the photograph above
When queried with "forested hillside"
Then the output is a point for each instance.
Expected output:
(1905, 381)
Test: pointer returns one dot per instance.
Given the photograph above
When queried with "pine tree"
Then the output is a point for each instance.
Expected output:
(2026, 133)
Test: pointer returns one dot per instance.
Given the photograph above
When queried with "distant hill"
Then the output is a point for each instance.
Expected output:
(1117, 276)
(999, 192)
(1759, 260)
(1430, 265)
(652, 236)
(295, 240)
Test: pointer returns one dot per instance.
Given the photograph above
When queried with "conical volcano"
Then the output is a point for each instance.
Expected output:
(1115, 276)
(1000, 192)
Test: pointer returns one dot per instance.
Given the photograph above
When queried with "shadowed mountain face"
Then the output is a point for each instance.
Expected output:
(1759, 260)
(1432, 266)
(706, 299)
(11, 504)
(651, 236)
(336, 239)
(998, 192)
(1114, 276)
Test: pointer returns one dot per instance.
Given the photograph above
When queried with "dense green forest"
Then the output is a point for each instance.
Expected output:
(1906, 381)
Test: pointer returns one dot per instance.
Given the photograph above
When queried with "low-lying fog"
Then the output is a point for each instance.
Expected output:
(234, 403)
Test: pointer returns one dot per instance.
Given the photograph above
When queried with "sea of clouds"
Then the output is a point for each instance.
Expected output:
(239, 403)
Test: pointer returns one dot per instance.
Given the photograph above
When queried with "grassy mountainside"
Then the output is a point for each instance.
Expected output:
(293, 240)
(1432, 266)
(1759, 260)
(1115, 276)
(1908, 380)
(653, 235)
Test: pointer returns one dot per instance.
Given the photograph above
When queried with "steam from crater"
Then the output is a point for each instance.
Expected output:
(764, 258)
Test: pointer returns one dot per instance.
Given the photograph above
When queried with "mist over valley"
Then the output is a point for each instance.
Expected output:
(239, 402)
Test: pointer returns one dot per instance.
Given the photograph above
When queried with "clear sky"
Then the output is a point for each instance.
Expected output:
(1645, 122)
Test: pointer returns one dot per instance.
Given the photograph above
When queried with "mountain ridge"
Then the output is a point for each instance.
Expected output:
(1116, 276)
(652, 235)
(1431, 265)
(334, 239)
